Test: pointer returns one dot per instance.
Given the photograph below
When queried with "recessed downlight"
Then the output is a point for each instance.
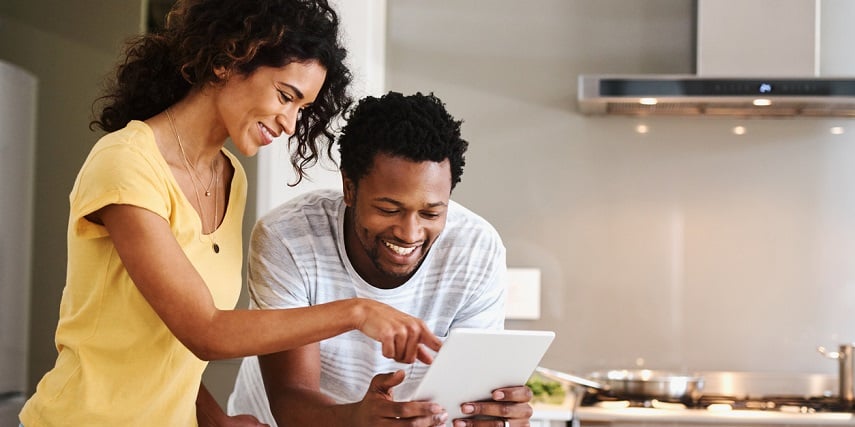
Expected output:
(762, 102)
(837, 130)
(739, 130)
(648, 101)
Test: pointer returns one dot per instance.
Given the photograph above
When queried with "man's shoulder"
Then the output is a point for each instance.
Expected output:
(465, 227)
(304, 205)
(460, 216)
(305, 213)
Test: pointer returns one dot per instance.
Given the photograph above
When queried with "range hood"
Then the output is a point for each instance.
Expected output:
(763, 58)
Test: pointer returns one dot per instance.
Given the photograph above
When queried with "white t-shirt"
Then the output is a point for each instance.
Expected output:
(297, 258)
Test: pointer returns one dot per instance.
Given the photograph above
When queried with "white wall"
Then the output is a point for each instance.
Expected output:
(17, 164)
(70, 49)
(688, 247)
(364, 34)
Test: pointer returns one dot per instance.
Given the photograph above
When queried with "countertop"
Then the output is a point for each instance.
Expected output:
(652, 415)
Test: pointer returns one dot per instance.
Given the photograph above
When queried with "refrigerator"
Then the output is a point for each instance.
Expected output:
(17, 158)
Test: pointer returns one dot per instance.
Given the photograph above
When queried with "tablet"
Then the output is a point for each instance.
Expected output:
(474, 362)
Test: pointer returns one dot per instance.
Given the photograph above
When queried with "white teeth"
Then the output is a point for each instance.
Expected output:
(399, 250)
(266, 131)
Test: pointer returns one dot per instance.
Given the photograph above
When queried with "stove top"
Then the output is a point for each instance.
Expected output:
(743, 391)
(721, 403)
(785, 403)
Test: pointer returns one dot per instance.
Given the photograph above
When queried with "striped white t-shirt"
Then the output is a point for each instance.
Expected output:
(297, 258)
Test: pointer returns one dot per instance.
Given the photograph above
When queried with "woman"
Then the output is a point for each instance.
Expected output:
(154, 234)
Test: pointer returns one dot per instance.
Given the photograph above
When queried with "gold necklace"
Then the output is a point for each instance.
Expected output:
(215, 178)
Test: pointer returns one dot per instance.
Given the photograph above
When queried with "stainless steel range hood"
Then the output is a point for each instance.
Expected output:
(764, 58)
(716, 96)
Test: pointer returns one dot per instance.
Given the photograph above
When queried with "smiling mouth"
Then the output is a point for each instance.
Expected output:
(398, 249)
(267, 132)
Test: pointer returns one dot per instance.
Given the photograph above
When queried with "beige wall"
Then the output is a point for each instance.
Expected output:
(70, 47)
(688, 247)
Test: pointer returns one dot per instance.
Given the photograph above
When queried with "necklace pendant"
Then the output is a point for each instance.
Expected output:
(216, 248)
(208, 193)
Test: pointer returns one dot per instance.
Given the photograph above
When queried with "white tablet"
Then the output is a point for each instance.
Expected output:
(474, 362)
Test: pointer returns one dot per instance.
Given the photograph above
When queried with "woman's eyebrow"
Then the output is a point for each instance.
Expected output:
(294, 88)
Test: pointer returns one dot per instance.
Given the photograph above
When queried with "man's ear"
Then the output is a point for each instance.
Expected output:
(348, 187)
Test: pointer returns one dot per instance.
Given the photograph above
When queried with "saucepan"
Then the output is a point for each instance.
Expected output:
(636, 383)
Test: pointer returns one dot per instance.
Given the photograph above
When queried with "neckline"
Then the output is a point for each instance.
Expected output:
(162, 160)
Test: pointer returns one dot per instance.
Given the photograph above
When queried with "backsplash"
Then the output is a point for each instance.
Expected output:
(670, 242)
(692, 248)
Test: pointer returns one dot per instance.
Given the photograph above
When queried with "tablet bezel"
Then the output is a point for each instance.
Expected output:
(474, 362)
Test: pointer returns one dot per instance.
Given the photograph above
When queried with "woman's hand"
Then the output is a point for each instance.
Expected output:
(400, 333)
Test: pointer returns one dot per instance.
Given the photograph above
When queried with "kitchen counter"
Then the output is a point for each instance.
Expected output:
(699, 417)
(550, 415)
(740, 386)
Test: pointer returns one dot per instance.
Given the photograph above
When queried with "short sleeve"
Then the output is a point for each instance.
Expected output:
(479, 256)
(486, 308)
(272, 274)
(117, 173)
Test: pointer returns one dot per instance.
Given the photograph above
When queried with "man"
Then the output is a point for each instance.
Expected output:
(394, 236)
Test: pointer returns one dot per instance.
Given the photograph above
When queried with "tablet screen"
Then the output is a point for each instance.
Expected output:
(474, 362)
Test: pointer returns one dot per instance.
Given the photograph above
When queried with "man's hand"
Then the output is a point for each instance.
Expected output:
(509, 404)
(378, 408)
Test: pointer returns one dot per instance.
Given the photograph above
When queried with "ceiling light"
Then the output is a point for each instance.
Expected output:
(739, 130)
(836, 130)
(648, 101)
(762, 102)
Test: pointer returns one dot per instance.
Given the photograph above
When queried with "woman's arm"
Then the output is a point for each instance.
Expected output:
(170, 283)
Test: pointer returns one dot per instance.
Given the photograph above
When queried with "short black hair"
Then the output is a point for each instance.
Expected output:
(415, 127)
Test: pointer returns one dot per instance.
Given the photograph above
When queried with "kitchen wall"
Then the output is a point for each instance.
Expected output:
(685, 247)
(71, 47)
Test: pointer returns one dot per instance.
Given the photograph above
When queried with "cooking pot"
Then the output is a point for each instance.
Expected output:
(637, 383)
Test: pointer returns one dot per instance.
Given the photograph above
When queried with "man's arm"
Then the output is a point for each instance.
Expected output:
(292, 382)
(291, 377)
(209, 413)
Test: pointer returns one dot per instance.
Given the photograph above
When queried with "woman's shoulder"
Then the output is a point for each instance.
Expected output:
(136, 137)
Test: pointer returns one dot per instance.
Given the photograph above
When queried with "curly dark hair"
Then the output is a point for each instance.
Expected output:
(238, 36)
(415, 127)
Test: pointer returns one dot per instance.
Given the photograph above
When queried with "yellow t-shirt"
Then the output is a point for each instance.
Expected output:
(118, 364)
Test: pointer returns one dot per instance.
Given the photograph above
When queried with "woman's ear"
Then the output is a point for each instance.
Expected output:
(221, 72)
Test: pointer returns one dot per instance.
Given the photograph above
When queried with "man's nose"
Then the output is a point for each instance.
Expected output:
(410, 228)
